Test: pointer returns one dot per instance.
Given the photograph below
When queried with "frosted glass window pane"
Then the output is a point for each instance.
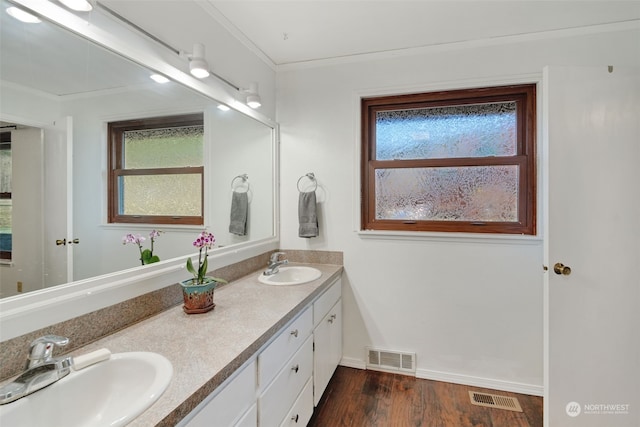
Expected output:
(173, 195)
(169, 147)
(474, 193)
(480, 130)
(5, 171)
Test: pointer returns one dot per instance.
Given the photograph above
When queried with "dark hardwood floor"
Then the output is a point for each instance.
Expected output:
(362, 398)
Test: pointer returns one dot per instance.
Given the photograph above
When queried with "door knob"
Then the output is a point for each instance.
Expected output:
(61, 242)
(560, 268)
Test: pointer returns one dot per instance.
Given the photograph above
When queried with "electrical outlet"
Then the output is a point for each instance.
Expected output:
(19, 286)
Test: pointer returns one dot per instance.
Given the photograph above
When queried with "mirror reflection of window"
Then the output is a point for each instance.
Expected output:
(157, 173)
(5, 196)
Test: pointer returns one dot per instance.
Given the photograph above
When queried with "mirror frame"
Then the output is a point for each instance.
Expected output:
(35, 310)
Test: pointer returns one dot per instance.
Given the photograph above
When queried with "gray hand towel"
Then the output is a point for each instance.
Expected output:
(239, 209)
(307, 215)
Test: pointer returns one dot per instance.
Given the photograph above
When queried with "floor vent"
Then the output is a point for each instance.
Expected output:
(495, 401)
(392, 361)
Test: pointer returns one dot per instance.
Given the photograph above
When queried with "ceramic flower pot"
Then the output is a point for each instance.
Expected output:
(198, 298)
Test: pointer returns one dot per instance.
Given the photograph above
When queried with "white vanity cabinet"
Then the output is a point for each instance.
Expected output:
(283, 384)
(233, 406)
(327, 336)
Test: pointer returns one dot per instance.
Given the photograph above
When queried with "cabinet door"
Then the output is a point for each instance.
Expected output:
(327, 337)
(230, 404)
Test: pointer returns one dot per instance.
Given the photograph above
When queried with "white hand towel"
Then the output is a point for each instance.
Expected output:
(307, 215)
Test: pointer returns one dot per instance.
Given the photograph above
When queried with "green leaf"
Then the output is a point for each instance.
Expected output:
(203, 268)
(146, 256)
(190, 268)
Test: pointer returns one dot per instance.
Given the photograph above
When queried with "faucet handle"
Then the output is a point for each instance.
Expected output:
(276, 256)
(41, 349)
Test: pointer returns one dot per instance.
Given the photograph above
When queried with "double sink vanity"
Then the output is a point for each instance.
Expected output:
(263, 356)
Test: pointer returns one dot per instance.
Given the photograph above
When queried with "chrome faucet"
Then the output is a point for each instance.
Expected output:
(275, 263)
(41, 370)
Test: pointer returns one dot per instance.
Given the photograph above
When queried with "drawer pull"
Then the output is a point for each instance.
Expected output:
(295, 418)
(295, 333)
(332, 318)
(295, 368)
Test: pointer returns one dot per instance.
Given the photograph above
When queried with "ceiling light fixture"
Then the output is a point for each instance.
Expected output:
(159, 78)
(77, 5)
(198, 66)
(223, 107)
(21, 15)
(253, 98)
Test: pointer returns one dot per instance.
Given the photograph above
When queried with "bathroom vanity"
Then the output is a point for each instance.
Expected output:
(249, 361)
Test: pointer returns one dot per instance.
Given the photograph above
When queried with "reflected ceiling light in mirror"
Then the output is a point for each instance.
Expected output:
(21, 15)
(198, 66)
(77, 5)
(253, 98)
(159, 78)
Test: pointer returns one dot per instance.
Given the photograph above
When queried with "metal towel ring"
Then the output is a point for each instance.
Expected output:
(312, 177)
(245, 180)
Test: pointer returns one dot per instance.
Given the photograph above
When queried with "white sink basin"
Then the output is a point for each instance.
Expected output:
(291, 276)
(110, 393)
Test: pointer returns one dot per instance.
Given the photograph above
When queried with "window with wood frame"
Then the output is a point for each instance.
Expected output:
(156, 170)
(451, 161)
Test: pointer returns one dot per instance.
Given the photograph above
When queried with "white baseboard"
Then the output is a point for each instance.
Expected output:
(514, 387)
(352, 362)
(426, 374)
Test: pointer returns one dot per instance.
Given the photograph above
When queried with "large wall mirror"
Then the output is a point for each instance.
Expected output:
(59, 91)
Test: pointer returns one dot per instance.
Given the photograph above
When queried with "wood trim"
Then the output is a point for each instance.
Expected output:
(115, 131)
(525, 98)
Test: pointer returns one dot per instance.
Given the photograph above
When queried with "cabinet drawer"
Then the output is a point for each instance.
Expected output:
(327, 300)
(302, 410)
(282, 348)
(278, 398)
(231, 403)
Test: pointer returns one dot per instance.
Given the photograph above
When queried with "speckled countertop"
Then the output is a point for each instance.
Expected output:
(205, 349)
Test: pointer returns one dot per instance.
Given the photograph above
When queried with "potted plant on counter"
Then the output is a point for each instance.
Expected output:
(198, 291)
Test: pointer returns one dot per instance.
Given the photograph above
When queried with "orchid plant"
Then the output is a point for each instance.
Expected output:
(203, 242)
(146, 255)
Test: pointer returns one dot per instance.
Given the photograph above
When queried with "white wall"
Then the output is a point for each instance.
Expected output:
(241, 145)
(470, 308)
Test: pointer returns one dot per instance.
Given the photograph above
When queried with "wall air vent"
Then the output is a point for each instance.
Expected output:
(495, 401)
(391, 361)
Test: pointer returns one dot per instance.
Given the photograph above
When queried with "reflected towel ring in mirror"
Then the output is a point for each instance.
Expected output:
(313, 180)
(245, 182)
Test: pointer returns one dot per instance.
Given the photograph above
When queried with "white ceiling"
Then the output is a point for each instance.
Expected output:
(306, 30)
(287, 32)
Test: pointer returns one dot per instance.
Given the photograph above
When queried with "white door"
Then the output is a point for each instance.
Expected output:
(592, 366)
(26, 271)
(58, 239)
